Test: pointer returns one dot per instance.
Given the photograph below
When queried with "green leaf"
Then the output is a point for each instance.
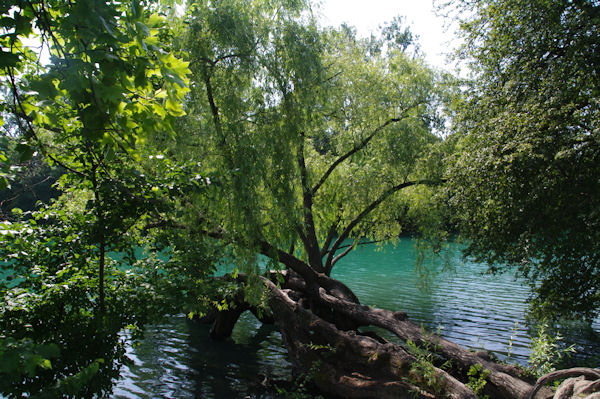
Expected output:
(142, 28)
(45, 88)
(106, 26)
(155, 21)
(8, 60)
(174, 108)
(45, 364)
(25, 151)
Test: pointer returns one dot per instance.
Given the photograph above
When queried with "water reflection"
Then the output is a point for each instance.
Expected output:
(177, 360)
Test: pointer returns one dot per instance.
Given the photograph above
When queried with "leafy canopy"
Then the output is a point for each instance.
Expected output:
(307, 134)
(110, 84)
(525, 183)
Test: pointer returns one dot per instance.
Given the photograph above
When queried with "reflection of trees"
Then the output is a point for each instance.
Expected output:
(224, 368)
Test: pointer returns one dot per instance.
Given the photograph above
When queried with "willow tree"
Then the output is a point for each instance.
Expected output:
(306, 134)
(307, 141)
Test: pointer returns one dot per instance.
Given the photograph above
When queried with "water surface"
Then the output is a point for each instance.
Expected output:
(478, 311)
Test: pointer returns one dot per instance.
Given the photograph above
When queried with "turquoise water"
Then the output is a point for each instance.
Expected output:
(474, 310)
(177, 360)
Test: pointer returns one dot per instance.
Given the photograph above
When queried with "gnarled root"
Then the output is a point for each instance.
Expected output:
(585, 385)
(319, 322)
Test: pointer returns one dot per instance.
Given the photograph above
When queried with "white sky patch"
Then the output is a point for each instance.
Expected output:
(436, 36)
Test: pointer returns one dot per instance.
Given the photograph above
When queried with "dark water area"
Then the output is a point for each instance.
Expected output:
(178, 360)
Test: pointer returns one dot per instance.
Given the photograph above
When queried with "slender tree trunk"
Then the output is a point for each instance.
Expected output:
(101, 239)
(101, 274)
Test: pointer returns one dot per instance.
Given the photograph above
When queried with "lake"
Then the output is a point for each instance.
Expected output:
(178, 360)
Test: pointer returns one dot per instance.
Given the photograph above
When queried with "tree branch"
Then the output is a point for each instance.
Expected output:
(359, 243)
(353, 151)
(330, 235)
(25, 188)
(271, 251)
(311, 244)
(346, 233)
(560, 374)
(213, 107)
(30, 128)
(301, 235)
(340, 256)
(289, 260)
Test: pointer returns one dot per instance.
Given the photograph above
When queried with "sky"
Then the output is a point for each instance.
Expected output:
(436, 37)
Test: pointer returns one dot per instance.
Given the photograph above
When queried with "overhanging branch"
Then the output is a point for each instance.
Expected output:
(353, 151)
(372, 206)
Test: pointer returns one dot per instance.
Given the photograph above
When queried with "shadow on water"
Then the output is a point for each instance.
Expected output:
(178, 360)
(227, 368)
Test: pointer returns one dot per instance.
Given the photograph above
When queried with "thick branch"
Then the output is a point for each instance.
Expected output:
(501, 377)
(211, 101)
(390, 361)
(346, 233)
(297, 265)
(311, 244)
(302, 235)
(353, 151)
(330, 236)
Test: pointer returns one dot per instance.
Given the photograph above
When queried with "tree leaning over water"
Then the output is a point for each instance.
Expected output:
(307, 142)
(525, 184)
(298, 144)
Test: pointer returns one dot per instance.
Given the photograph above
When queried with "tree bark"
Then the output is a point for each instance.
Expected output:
(573, 372)
(349, 364)
(320, 328)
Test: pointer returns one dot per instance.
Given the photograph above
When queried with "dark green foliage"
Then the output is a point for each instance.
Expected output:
(49, 300)
(32, 182)
(55, 340)
(109, 86)
(525, 184)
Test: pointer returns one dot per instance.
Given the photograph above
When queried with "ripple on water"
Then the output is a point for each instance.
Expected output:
(177, 360)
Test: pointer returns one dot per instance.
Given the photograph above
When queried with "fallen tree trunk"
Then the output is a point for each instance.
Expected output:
(350, 364)
(320, 327)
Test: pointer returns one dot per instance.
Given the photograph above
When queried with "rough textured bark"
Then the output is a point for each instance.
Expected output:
(350, 364)
(320, 328)
(588, 382)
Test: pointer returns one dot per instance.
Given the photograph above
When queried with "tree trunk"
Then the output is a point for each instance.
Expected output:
(320, 328)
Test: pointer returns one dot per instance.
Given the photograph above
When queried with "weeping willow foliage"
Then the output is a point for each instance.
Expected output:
(304, 132)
